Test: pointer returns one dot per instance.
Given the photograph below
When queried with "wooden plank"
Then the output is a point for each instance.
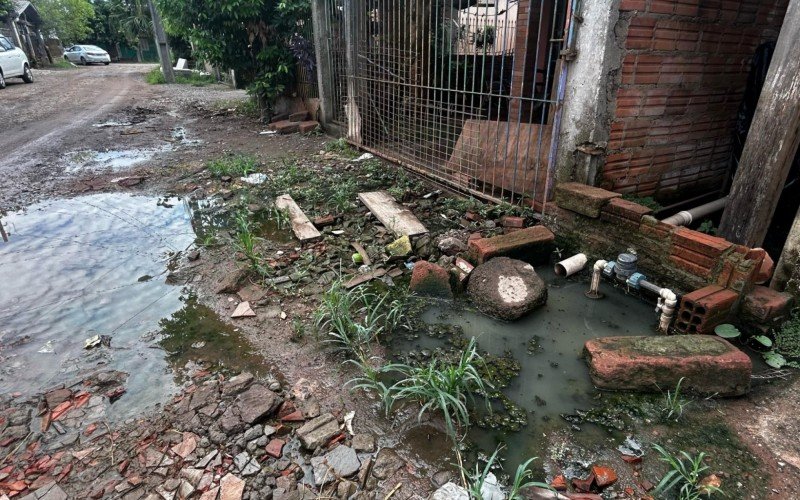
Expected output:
(302, 227)
(771, 144)
(400, 220)
(363, 278)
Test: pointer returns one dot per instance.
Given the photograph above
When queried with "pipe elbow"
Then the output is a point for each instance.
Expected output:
(600, 264)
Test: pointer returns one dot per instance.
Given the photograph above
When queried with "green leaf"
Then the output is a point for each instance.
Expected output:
(727, 331)
(763, 340)
(774, 359)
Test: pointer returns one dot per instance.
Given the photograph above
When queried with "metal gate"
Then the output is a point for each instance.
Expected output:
(465, 92)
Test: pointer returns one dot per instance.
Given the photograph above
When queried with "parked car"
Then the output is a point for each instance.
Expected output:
(13, 63)
(87, 54)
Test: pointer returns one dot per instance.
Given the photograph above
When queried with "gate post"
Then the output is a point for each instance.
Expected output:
(351, 50)
(322, 49)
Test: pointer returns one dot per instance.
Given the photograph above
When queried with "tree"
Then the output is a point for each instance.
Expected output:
(6, 8)
(252, 37)
(69, 19)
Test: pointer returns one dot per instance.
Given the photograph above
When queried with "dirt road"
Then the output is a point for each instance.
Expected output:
(59, 114)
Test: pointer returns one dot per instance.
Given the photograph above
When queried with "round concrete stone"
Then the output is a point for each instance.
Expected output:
(506, 288)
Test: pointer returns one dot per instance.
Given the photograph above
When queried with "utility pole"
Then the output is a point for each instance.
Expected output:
(771, 144)
(162, 44)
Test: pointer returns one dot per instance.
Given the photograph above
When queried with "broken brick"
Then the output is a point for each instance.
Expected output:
(766, 305)
(431, 280)
(604, 476)
(627, 209)
(529, 244)
(275, 448)
(509, 221)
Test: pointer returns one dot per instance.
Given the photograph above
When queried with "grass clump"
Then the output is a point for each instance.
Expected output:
(646, 201)
(233, 166)
(156, 77)
(342, 148)
(443, 387)
(62, 64)
(683, 480)
(475, 480)
(675, 403)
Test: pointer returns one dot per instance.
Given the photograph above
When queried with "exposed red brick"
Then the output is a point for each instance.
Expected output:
(275, 448)
(285, 127)
(766, 305)
(604, 476)
(701, 243)
(694, 257)
(584, 485)
(583, 199)
(308, 126)
(510, 221)
(559, 483)
(627, 209)
(528, 244)
(689, 266)
(708, 364)
(431, 280)
(765, 270)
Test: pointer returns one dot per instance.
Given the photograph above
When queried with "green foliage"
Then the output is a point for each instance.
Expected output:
(232, 165)
(647, 201)
(6, 8)
(341, 147)
(682, 481)
(787, 339)
(353, 319)
(707, 227)
(249, 36)
(441, 386)
(245, 239)
(69, 19)
(675, 403)
(476, 479)
(727, 331)
(156, 77)
(763, 340)
(62, 64)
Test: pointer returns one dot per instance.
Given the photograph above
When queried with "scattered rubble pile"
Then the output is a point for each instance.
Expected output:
(227, 439)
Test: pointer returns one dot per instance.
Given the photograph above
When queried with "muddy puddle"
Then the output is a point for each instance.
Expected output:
(115, 160)
(553, 379)
(97, 265)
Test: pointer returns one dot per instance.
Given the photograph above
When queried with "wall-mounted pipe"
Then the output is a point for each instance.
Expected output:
(594, 288)
(685, 217)
(572, 265)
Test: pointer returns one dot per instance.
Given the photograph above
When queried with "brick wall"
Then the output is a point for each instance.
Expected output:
(530, 56)
(684, 70)
(713, 275)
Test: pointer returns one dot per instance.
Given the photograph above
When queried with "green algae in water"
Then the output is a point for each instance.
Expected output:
(196, 333)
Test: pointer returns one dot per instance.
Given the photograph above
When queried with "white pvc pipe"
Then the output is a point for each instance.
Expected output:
(685, 217)
(572, 265)
(668, 300)
(597, 270)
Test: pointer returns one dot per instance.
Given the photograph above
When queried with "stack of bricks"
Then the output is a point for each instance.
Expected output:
(696, 252)
(702, 310)
(293, 123)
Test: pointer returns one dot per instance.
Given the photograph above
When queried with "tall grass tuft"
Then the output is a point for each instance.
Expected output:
(438, 386)
(675, 403)
(683, 478)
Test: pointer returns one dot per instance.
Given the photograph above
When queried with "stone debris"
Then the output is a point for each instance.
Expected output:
(318, 431)
(243, 310)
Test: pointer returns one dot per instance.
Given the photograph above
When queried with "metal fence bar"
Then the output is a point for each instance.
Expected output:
(460, 91)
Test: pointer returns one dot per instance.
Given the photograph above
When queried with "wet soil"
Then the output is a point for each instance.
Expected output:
(156, 141)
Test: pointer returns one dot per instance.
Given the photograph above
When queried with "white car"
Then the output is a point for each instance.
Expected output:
(87, 54)
(13, 63)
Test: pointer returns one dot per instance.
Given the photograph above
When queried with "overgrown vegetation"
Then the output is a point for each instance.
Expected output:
(341, 147)
(253, 37)
(675, 403)
(477, 478)
(683, 480)
(647, 201)
(68, 19)
(233, 166)
(156, 77)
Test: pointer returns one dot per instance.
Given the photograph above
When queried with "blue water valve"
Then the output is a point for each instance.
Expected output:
(608, 271)
(634, 279)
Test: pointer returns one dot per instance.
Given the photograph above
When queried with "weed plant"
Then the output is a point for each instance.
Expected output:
(342, 148)
(675, 403)
(245, 241)
(156, 77)
(233, 166)
(682, 481)
(475, 480)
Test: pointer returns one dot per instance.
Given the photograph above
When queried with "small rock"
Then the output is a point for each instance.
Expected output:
(401, 247)
(364, 442)
(451, 246)
(386, 463)
(256, 403)
(318, 431)
(231, 488)
(430, 280)
(253, 432)
(275, 448)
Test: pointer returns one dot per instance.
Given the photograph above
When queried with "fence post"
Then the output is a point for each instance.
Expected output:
(325, 82)
(351, 50)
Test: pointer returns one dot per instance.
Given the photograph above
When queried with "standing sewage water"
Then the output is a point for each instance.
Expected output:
(97, 265)
(553, 378)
